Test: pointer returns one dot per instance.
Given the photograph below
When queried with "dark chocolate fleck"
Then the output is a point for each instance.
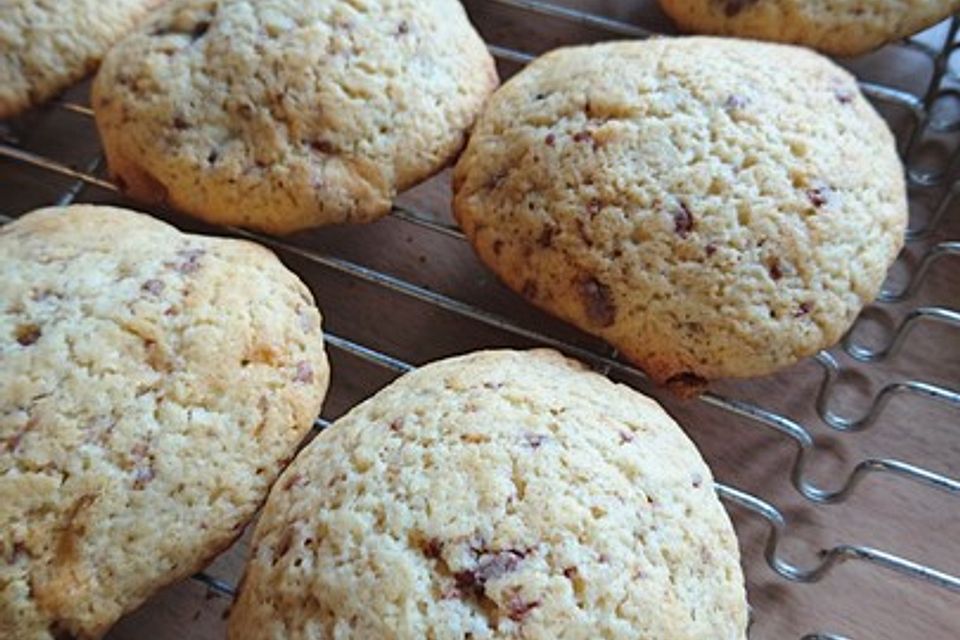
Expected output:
(191, 260)
(711, 249)
(597, 301)
(396, 425)
(323, 146)
(199, 30)
(432, 548)
(775, 272)
(27, 334)
(546, 236)
(625, 437)
(683, 222)
(593, 207)
(550, 139)
(535, 440)
(518, 608)
(583, 136)
(403, 28)
(803, 309)
(153, 286)
(304, 373)
(179, 123)
(735, 101)
(696, 480)
(819, 195)
(732, 8)
(844, 95)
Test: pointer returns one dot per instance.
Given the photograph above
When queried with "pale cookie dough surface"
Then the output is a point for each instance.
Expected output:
(500, 494)
(289, 114)
(153, 384)
(710, 207)
(837, 27)
(45, 46)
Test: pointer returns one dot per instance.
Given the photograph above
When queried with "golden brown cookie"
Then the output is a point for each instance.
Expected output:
(152, 386)
(710, 207)
(837, 27)
(47, 46)
(290, 114)
(500, 494)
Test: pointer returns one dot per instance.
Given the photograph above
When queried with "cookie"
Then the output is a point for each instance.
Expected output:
(47, 46)
(291, 114)
(152, 386)
(501, 494)
(836, 27)
(712, 208)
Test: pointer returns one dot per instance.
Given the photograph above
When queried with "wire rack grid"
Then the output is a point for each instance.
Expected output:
(43, 169)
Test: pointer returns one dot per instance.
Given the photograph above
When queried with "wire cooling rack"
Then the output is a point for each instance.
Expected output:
(411, 275)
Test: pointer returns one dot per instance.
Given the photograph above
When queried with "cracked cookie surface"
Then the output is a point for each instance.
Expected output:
(289, 114)
(46, 46)
(152, 386)
(836, 27)
(712, 208)
(500, 494)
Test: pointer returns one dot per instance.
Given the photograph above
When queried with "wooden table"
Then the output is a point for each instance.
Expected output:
(431, 298)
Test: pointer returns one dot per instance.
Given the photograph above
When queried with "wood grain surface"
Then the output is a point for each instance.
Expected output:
(890, 513)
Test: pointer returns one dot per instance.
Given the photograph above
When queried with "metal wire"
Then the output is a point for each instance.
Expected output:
(919, 110)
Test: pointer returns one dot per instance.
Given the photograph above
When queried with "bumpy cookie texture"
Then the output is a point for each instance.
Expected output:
(496, 495)
(837, 27)
(46, 46)
(152, 386)
(288, 114)
(710, 207)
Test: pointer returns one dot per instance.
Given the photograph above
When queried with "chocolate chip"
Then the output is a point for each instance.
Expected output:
(550, 139)
(304, 373)
(683, 222)
(432, 548)
(774, 269)
(732, 8)
(190, 260)
(735, 102)
(518, 608)
(179, 123)
(540, 96)
(396, 425)
(583, 136)
(803, 309)
(153, 286)
(323, 146)
(199, 30)
(844, 95)
(819, 195)
(598, 301)
(593, 207)
(546, 236)
(213, 156)
(535, 440)
(711, 249)
(27, 334)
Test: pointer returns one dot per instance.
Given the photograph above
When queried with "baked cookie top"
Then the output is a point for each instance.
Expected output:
(152, 386)
(837, 27)
(293, 113)
(500, 494)
(710, 207)
(47, 46)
